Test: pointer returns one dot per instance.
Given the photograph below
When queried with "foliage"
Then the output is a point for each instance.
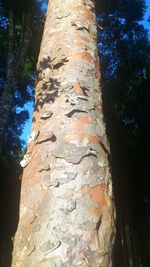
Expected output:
(125, 62)
(125, 58)
(25, 89)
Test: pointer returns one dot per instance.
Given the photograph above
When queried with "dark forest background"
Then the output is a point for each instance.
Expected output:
(124, 48)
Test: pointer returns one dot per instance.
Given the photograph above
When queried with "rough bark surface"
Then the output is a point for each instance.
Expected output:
(66, 211)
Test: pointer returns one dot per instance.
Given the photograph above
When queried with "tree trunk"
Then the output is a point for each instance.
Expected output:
(15, 67)
(67, 211)
(6, 98)
(24, 45)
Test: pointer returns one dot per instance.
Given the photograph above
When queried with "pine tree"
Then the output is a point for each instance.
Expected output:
(67, 210)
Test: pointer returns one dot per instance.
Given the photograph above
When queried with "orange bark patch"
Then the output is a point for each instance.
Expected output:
(83, 56)
(77, 130)
(77, 89)
(93, 139)
(81, 39)
(96, 211)
(85, 12)
(98, 196)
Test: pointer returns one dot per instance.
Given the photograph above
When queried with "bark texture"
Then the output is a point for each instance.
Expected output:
(67, 211)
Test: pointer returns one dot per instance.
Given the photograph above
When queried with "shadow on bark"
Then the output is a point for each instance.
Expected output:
(47, 89)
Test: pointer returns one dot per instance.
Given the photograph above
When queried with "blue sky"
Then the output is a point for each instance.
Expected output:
(27, 127)
(29, 106)
(147, 15)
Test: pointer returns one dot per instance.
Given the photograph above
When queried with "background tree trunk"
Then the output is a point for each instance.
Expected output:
(15, 66)
(6, 98)
(67, 211)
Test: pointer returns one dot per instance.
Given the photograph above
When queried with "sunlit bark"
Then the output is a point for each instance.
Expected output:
(67, 211)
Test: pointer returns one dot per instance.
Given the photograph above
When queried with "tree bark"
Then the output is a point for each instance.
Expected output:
(67, 210)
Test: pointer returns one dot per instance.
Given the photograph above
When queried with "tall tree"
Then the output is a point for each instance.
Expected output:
(15, 65)
(19, 72)
(21, 24)
(67, 210)
(124, 50)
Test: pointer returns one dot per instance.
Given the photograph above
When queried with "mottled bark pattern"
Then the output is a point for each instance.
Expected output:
(66, 212)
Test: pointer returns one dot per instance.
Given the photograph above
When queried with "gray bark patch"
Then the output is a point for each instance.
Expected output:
(72, 153)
